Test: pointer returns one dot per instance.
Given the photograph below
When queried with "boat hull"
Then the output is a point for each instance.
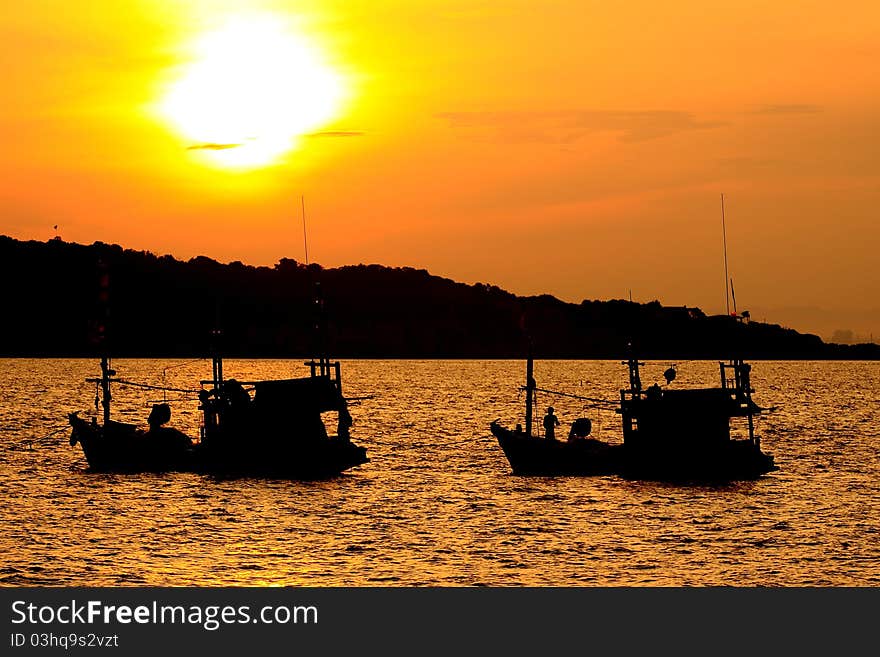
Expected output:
(118, 447)
(329, 459)
(735, 460)
(124, 448)
(529, 455)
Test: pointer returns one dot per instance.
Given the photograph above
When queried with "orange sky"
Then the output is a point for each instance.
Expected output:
(570, 147)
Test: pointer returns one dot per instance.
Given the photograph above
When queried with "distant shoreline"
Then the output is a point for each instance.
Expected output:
(538, 358)
(160, 307)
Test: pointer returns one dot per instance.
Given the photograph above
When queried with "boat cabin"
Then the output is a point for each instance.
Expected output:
(687, 418)
(275, 411)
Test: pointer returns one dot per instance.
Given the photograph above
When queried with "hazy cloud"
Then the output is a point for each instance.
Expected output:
(212, 147)
(569, 126)
(337, 133)
(746, 162)
(788, 109)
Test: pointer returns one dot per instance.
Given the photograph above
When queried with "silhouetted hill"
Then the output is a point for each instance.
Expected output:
(161, 306)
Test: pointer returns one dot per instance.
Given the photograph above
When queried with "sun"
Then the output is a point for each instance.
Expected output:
(252, 88)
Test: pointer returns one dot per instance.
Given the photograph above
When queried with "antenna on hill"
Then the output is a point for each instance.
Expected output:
(733, 296)
(305, 235)
(724, 239)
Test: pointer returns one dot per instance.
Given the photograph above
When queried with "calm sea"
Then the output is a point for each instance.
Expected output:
(437, 505)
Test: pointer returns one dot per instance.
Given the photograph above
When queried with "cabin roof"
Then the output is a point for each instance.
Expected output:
(307, 393)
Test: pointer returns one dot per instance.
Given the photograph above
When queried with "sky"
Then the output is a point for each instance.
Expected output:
(568, 147)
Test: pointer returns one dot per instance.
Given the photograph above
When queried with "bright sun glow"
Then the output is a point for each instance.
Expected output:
(254, 86)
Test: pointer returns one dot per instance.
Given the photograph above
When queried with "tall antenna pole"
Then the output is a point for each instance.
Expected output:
(726, 278)
(305, 236)
(733, 296)
(530, 390)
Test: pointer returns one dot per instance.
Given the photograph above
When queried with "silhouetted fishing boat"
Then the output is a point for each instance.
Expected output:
(673, 434)
(277, 431)
(114, 446)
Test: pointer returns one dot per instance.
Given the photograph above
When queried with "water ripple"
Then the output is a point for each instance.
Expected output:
(436, 505)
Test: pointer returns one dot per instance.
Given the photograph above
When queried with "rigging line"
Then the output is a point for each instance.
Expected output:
(189, 362)
(28, 443)
(590, 399)
(147, 386)
(174, 367)
(164, 400)
(58, 430)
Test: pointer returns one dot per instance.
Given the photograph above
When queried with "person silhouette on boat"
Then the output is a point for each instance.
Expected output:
(160, 414)
(167, 442)
(550, 424)
(235, 393)
(236, 403)
(343, 428)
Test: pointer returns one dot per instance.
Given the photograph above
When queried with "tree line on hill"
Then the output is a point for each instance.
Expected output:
(158, 306)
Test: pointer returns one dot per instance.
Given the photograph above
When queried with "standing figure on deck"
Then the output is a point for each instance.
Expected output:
(343, 428)
(550, 424)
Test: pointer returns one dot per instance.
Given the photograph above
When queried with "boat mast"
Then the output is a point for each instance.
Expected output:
(724, 241)
(104, 312)
(530, 389)
(635, 380)
(746, 383)
(321, 331)
(741, 369)
(302, 200)
(106, 373)
(320, 319)
(216, 359)
(323, 367)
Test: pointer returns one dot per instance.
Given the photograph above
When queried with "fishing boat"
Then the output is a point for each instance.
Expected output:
(270, 428)
(274, 427)
(531, 454)
(668, 433)
(259, 428)
(114, 446)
